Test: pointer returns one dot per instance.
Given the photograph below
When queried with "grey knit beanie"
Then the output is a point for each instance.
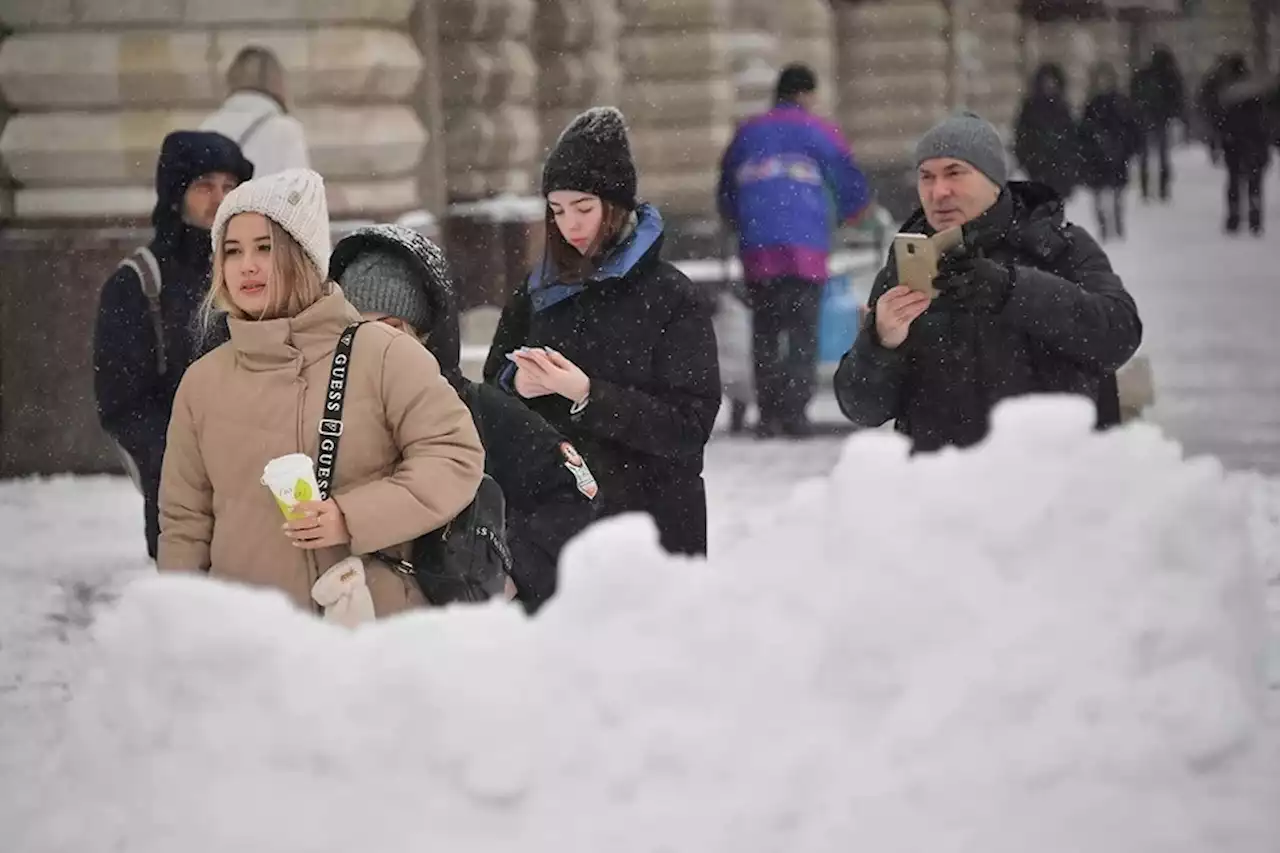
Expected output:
(385, 283)
(969, 137)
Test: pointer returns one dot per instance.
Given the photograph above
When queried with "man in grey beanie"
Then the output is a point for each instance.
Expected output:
(1027, 304)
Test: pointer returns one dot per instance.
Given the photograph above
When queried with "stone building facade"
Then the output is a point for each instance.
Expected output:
(447, 107)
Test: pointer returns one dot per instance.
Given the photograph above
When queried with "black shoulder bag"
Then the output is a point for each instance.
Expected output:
(468, 558)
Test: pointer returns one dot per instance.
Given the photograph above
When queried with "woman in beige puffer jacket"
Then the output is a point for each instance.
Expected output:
(409, 459)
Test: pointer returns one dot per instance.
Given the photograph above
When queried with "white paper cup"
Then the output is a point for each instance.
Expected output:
(291, 479)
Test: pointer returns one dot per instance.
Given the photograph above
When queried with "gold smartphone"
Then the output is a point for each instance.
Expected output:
(917, 257)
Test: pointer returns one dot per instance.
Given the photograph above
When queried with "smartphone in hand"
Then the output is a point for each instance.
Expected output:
(917, 257)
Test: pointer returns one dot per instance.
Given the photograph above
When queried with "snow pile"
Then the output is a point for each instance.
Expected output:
(1053, 643)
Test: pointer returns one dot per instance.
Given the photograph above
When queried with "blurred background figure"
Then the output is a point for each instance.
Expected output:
(1244, 126)
(1109, 137)
(1045, 141)
(1159, 96)
(1210, 107)
(256, 114)
(786, 180)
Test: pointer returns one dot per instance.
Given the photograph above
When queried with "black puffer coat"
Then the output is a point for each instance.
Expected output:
(134, 397)
(642, 332)
(1109, 138)
(1068, 323)
(1244, 118)
(550, 499)
(1046, 141)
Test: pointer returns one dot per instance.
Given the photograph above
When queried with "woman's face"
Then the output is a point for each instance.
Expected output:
(578, 216)
(246, 263)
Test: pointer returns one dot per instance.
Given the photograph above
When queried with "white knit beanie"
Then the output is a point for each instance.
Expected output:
(294, 199)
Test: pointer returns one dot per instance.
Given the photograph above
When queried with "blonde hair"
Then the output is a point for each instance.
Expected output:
(295, 284)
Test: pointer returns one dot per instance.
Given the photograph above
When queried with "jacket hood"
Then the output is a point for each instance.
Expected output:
(1049, 72)
(427, 259)
(638, 248)
(185, 156)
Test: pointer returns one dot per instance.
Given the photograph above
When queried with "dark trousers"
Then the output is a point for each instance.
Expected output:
(1114, 223)
(1157, 138)
(785, 342)
(1250, 178)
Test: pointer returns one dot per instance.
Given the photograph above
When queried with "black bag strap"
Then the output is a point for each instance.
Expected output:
(253, 128)
(331, 422)
(144, 264)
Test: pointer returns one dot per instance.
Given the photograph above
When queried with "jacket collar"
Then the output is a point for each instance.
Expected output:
(644, 241)
(1023, 208)
(297, 341)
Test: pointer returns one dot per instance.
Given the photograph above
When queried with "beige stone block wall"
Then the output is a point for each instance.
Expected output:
(768, 36)
(576, 48)
(674, 53)
(1076, 47)
(488, 81)
(56, 154)
(156, 67)
(753, 63)
(95, 85)
(987, 59)
(893, 60)
(808, 35)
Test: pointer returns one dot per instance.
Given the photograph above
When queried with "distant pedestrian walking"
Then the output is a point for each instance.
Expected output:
(1159, 95)
(1109, 137)
(256, 114)
(1045, 141)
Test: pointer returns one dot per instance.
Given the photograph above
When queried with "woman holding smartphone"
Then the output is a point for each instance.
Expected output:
(611, 344)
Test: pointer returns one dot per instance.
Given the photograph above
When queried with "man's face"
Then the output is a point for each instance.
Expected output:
(953, 192)
(200, 204)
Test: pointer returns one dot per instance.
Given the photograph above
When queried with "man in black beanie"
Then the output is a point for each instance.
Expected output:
(785, 179)
(146, 335)
(1027, 304)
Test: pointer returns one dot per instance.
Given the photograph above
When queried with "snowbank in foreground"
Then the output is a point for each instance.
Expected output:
(1053, 643)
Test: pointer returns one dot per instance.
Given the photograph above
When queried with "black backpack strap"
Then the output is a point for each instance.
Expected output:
(147, 268)
(331, 421)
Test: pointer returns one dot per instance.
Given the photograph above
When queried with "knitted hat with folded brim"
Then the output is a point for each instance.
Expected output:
(593, 155)
(969, 137)
(293, 199)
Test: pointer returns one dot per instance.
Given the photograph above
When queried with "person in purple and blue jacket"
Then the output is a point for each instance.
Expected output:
(787, 179)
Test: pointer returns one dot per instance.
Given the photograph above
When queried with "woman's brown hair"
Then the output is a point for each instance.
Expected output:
(295, 283)
(570, 265)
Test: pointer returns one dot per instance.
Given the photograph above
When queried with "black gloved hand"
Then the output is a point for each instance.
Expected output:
(974, 284)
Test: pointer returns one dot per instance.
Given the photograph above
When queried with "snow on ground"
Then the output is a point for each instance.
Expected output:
(1071, 660)
(924, 650)
(1209, 304)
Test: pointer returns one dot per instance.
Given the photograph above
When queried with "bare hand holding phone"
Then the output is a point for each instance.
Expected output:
(896, 309)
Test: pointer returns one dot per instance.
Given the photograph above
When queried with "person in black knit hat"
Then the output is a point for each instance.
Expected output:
(611, 344)
(394, 275)
(145, 336)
